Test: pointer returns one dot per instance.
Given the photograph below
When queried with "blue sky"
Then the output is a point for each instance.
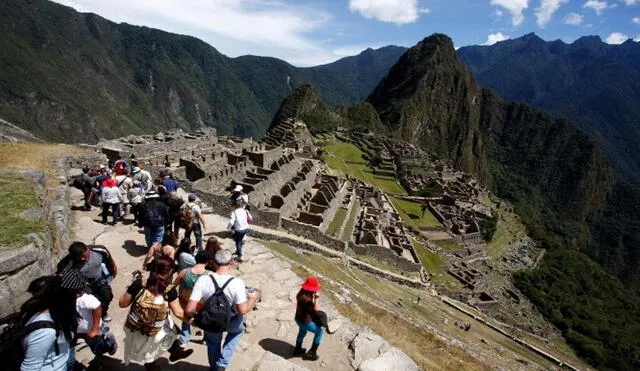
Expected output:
(306, 32)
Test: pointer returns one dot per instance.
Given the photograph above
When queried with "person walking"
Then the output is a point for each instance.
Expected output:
(192, 212)
(135, 194)
(186, 279)
(308, 319)
(143, 176)
(89, 261)
(238, 195)
(54, 317)
(152, 216)
(111, 198)
(239, 302)
(149, 329)
(174, 205)
(239, 226)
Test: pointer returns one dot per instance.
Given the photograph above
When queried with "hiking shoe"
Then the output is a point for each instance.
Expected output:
(115, 347)
(179, 353)
(311, 356)
(106, 318)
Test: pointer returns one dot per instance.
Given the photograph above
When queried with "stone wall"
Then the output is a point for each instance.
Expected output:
(334, 205)
(312, 233)
(20, 266)
(386, 255)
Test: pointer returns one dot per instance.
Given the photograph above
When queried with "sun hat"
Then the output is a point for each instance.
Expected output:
(192, 197)
(135, 169)
(72, 279)
(311, 284)
(238, 188)
(223, 257)
(151, 194)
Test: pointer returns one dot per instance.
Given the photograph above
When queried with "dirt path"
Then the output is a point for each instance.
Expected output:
(271, 330)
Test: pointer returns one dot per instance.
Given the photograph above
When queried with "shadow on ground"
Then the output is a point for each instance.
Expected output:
(105, 363)
(276, 346)
(134, 249)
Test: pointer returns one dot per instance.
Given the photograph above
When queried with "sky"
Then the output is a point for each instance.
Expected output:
(313, 32)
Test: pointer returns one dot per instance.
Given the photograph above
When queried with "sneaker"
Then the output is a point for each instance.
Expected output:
(106, 318)
(115, 347)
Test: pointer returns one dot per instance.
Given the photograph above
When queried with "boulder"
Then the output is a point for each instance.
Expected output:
(366, 345)
(391, 360)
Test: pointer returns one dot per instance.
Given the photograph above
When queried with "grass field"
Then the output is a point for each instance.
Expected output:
(347, 159)
(509, 230)
(17, 195)
(336, 223)
(347, 231)
(411, 214)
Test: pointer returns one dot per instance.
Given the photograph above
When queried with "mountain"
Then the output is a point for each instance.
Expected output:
(561, 183)
(65, 72)
(593, 84)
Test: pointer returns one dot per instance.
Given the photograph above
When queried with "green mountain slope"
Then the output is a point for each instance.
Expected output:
(561, 183)
(591, 83)
(74, 77)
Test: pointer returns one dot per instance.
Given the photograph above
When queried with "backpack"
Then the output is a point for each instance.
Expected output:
(186, 216)
(145, 316)
(217, 311)
(150, 216)
(11, 350)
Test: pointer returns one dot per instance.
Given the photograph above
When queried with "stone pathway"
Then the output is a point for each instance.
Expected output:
(271, 330)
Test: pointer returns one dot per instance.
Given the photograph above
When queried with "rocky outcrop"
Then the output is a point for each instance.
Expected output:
(370, 352)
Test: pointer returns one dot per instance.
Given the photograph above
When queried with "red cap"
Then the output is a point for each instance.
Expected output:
(311, 284)
(109, 182)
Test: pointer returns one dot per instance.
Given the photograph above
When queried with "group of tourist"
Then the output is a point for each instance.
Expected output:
(193, 284)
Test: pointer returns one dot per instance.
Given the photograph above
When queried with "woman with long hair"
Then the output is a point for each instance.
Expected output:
(213, 246)
(48, 348)
(149, 329)
(184, 255)
(308, 318)
(186, 280)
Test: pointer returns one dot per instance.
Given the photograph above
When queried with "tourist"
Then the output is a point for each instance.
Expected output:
(238, 195)
(239, 226)
(37, 286)
(152, 215)
(174, 204)
(143, 176)
(88, 183)
(120, 166)
(167, 248)
(234, 290)
(149, 329)
(307, 318)
(111, 198)
(89, 261)
(185, 254)
(212, 246)
(192, 213)
(124, 184)
(186, 279)
(48, 348)
(135, 196)
(169, 183)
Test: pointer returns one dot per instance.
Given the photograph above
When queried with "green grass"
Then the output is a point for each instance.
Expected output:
(509, 230)
(336, 223)
(411, 214)
(448, 245)
(351, 222)
(17, 195)
(347, 159)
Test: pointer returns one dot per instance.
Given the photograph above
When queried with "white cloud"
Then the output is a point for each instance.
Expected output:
(597, 6)
(495, 37)
(637, 38)
(546, 10)
(235, 27)
(574, 19)
(630, 2)
(635, 20)
(616, 38)
(498, 13)
(389, 11)
(514, 7)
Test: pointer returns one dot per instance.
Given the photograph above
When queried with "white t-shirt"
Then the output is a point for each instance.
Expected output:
(238, 220)
(236, 292)
(85, 306)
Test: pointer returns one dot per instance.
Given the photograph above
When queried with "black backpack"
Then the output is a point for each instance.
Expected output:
(216, 313)
(151, 216)
(11, 349)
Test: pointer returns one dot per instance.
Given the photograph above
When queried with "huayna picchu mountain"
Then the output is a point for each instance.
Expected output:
(75, 77)
(593, 84)
(560, 181)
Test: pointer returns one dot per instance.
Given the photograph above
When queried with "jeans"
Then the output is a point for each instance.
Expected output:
(197, 231)
(238, 237)
(219, 353)
(185, 334)
(105, 212)
(152, 235)
(102, 291)
(309, 327)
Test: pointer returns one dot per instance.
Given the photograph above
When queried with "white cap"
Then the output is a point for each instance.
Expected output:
(238, 188)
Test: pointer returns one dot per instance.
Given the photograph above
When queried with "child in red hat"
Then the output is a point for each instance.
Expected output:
(308, 318)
